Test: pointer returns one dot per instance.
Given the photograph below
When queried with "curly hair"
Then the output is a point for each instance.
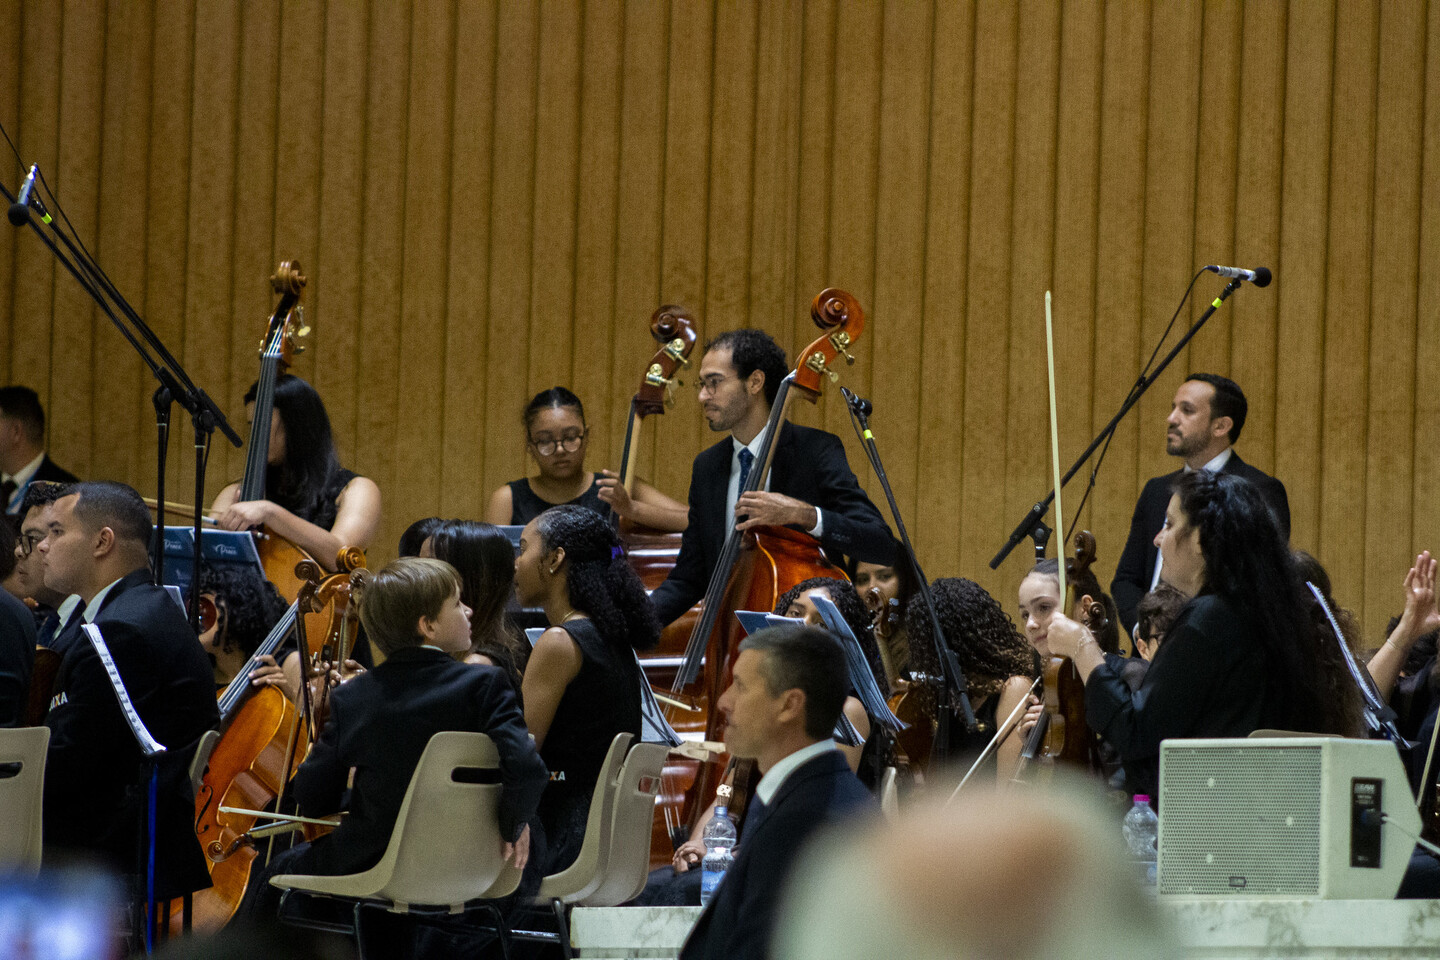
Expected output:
(752, 350)
(1248, 562)
(977, 628)
(1088, 585)
(851, 608)
(248, 604)
(598, 577)
(485, 559)
(1340, 692)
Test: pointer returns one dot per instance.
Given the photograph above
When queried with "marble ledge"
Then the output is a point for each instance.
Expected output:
(1246, 927)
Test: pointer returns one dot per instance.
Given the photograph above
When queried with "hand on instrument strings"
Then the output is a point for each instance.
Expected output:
(1033, 713)
(613, 492)
(348, 671)
(517, 854)
(245, 515)
(268, 673)
(764, 509)
(687, 855)
(1420, 616)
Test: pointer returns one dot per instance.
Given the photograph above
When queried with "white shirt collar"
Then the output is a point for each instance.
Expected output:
(1217, 463)
(771, 782)
(67, 607)
(23, 475)
(92, 609)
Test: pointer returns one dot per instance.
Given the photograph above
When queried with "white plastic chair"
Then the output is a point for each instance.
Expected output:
(22, 788)
(446, 847)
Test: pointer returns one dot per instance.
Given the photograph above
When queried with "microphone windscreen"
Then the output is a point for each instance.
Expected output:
(1262, 277)
(19, 213)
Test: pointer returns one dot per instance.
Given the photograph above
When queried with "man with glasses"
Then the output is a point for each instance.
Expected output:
(811, 486)
(52, 608)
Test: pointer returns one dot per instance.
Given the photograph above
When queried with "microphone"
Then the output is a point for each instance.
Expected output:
(860, 405)
(20, 209)
(1261, 277)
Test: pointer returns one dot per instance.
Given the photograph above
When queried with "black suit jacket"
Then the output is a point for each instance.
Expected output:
(1137, 563)
(95, 801)
(52, 472)
(380, 723)
(17, 657)
(740, 919)
(809, 465)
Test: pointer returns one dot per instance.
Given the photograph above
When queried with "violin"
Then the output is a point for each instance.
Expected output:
(1061, 735)
(755, 567)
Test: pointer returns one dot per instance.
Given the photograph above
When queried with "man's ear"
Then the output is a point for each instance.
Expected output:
(792, 706)
(755, 383)
(104, 542)
(1220, 426)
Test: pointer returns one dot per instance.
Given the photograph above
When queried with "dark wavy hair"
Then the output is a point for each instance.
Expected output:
(977, 628)
(249, 605)
(554, 398)
(302, 481)
(752, 350)
(42, 493)
(852, 608)
(1341, 693)
(415, 535)
(598, 577)
(1248, 563)
(1109, 638)
(485, 558)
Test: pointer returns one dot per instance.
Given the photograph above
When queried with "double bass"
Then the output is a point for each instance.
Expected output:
(756, 566)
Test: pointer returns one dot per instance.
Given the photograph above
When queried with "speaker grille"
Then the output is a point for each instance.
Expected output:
(1240, 820)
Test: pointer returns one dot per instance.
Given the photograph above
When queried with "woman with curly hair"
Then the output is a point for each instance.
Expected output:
(999, 666)
(1241, 656)
(582, 684)
(247, 607)
(482, 553)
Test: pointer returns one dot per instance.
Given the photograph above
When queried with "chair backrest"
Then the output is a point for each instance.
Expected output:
(890, 795)
(200, 759)
(626, 864)
(22, 787)
(581, 878)
(446, 847)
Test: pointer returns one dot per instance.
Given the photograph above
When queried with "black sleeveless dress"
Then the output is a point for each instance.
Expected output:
(526, 505)
(602, 700)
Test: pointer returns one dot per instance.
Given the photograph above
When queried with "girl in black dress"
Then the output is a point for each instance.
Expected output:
(582, 684)
(556, 437)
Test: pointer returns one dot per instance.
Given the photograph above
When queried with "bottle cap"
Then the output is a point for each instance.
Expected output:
(1142, 798)
(721, 810)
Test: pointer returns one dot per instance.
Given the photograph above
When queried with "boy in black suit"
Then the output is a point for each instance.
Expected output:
(23, 459)
(781, 707)
(381, 721)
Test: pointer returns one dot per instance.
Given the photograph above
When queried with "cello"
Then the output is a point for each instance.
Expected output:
(285, 327)
(756, 566)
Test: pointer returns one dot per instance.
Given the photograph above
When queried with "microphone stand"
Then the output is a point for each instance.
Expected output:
(1027, 526)
(175, 385)
(952, 675)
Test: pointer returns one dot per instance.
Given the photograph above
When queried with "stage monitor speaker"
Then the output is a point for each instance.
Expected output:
(1283, 817)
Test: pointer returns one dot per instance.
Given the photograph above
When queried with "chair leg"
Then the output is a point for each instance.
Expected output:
(359, 937)
(562, 923)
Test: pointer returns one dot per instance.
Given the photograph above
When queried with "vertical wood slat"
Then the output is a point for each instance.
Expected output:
(490, 199)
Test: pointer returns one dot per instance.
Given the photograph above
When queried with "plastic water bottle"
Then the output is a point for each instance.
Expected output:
(1142, 829)
(719, 838)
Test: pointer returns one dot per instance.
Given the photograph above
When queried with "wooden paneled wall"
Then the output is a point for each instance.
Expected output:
(490, 198)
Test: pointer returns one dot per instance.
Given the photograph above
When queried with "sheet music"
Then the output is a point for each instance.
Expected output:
(148, 744)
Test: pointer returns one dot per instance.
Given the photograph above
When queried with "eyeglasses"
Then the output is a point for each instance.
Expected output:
(27, 543)
(711, 383)
(570, 442)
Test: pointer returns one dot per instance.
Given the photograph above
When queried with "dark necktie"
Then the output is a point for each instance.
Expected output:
(7, 490)
(746, 460)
